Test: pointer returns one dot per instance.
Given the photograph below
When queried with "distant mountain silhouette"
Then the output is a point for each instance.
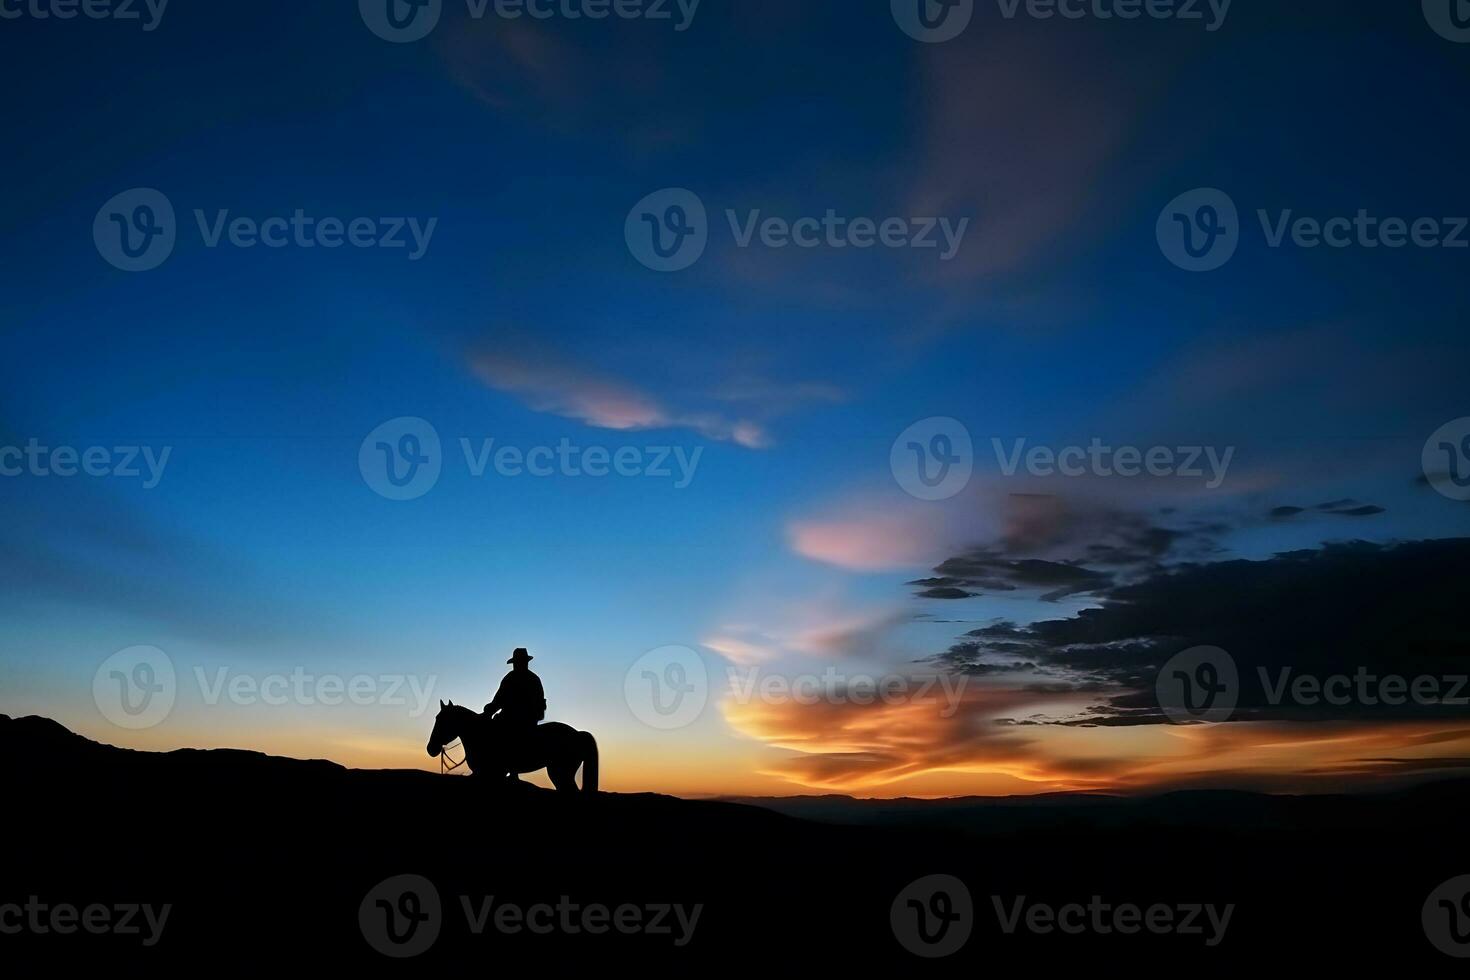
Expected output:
(263, 857)
(1441, 804)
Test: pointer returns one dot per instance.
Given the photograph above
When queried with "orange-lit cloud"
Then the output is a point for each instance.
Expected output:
(911, 748)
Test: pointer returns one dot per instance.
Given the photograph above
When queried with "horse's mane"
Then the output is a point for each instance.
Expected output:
(461, 711)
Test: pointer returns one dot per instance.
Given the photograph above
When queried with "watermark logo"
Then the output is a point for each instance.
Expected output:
(1446, 917)
(668, 230)
(933, 917)
(135, 231)
(1199, 230)
(1446, 459)
(1449, 18)
(933, 458)
(401, 916)
(667, 688)
(401, 459)
(401, 21)
(1200, 684)
(933, 21)
(135, 688)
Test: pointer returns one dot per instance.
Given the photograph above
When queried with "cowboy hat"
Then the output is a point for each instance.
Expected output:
(520, 655)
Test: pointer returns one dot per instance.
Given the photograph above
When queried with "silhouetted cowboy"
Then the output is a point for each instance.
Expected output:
(520, 700)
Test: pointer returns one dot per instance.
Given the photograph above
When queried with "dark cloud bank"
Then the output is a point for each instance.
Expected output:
(1343, 609)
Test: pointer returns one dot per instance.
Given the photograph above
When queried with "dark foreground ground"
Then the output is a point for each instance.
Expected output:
(279, 864)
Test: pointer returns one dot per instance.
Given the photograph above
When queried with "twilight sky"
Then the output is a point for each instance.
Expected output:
(759, 391)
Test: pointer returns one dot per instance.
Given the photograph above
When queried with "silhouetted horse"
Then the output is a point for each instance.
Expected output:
(557, 748)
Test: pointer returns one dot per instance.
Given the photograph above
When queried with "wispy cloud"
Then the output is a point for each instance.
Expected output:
(1026, 165)
(545, 384)
(820, 627)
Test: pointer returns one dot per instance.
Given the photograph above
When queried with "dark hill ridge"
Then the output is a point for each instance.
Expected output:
(267, 860)
(40, 749)
(1441, 805)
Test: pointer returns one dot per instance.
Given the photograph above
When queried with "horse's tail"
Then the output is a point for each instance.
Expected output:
(589, 763)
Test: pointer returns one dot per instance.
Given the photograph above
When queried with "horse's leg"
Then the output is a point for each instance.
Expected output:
(564, 778)
(589, 762)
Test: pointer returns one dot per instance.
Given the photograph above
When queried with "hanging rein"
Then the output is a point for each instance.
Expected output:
(444, 766)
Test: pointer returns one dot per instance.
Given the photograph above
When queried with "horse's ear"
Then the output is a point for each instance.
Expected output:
(451, 702)
(441, 702)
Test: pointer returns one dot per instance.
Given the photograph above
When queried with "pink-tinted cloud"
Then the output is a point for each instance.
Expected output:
(870, 538)
(1053, 517)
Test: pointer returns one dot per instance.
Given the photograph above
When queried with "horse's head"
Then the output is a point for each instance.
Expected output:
(448, 726)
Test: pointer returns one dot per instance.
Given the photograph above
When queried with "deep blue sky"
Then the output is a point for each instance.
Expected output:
(1060, 321)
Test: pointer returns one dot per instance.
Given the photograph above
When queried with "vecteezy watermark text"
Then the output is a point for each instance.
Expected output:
(147, 12)
(1098, 917)
(934, 21)
(36, 459)
(569, 459)
(305, 231)
(40, 918)
(303, 687)
(405, 21)
(571, 918)
(669, 230)
(752, 684)
(1210, 13)
(1100, 459)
